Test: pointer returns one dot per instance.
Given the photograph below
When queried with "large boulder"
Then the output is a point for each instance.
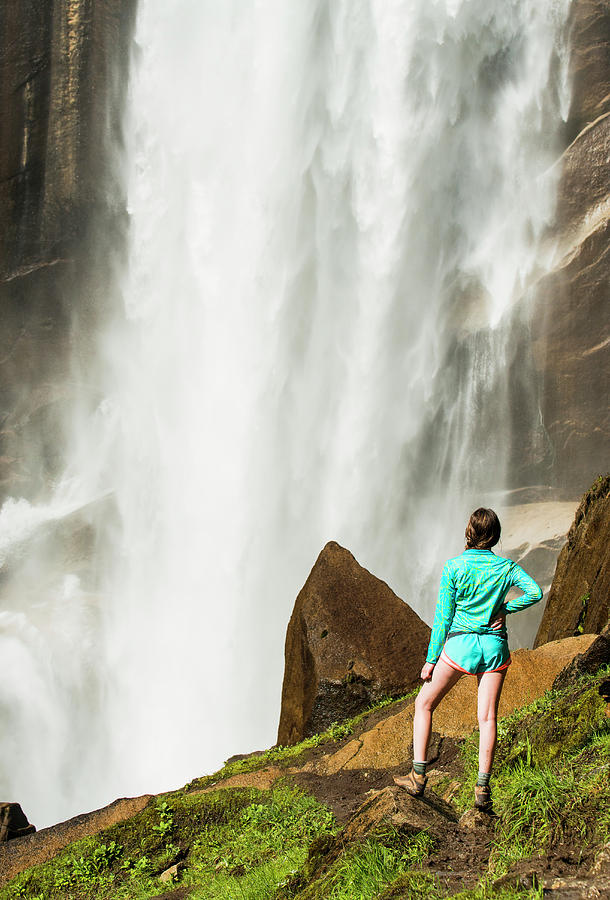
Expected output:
(350, 641)
(579, 599)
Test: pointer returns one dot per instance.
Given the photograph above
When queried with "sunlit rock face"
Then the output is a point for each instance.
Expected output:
(571, 323)
(579, 599)
(63, 66)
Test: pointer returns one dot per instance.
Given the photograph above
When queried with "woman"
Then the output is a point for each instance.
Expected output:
(469, 637)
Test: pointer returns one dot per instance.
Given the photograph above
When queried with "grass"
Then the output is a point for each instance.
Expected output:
(540, 807)
(231, 843)
(551, 787)
(552, 775)
(364, 870)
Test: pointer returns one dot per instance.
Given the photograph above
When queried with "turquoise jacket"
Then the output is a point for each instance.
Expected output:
(471, 594)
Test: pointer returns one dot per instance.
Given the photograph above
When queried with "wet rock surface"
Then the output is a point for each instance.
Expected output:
(62, 85)
(589, 63)
(570, 325)
(579, 599)
(596, 656)
(350, 641)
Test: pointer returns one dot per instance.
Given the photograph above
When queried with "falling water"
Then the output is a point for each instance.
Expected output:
(337, 212)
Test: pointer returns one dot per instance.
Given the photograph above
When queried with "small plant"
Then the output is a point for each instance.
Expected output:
(166, 826)
(584, 603)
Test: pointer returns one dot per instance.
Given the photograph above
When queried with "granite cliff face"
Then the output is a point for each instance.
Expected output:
(63, 74)
(579, 599)
(64, 67)
(570, 325)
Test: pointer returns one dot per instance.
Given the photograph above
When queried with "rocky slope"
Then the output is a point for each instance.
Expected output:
(307, 835)
(322, 818)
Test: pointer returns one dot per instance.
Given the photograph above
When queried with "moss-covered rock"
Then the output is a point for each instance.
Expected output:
(562, 725)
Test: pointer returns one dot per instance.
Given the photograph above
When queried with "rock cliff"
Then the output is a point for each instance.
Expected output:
(579, 599)
(570, 325)
(63, 68)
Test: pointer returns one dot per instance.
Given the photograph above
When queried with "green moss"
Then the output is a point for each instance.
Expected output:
(413, 886)
(563, 729)
(551, 785)
(363, 869)
(218, 838)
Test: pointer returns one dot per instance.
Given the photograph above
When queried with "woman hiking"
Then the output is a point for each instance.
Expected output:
(469, 637)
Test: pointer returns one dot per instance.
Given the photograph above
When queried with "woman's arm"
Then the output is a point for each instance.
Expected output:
(532, 593)
(443, 617)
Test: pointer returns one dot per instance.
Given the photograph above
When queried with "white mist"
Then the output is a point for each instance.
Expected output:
(336, 210)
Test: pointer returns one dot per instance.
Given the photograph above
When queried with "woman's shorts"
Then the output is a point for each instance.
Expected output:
(477, 653)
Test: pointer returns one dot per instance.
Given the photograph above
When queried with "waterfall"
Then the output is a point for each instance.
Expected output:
(337, 213)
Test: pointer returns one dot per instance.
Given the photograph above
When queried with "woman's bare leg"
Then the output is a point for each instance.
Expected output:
(490, 688)
(431, 694)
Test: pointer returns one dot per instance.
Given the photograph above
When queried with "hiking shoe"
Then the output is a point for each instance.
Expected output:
(482, 798)
(413, 783)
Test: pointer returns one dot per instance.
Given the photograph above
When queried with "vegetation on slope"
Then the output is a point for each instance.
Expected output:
(552, 795)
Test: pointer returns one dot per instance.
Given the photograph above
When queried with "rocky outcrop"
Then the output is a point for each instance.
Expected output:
(35, 849)
(13, 822)
(570, 325)
(63, 67)
(350, 641)
(579, 599)
(393, 806)
(587, 663)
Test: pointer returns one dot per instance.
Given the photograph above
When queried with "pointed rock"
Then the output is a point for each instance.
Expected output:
(477, 820)
(13, 822)
(350, 641)
(394, 806)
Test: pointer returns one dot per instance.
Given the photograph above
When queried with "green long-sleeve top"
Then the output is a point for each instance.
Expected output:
(472, 592)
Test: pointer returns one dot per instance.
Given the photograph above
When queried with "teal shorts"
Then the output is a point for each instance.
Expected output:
(477, 653)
